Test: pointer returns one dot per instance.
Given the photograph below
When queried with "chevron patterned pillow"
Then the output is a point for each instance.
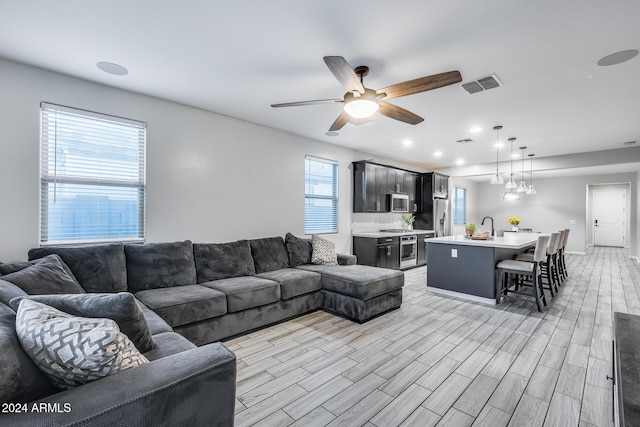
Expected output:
(73, 350)
(324, 251)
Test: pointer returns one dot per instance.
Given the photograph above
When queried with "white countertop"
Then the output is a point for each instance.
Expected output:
(510, 241)
(378, 234)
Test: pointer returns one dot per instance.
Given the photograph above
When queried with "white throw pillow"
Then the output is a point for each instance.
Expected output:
(73, 350)
(324, 251)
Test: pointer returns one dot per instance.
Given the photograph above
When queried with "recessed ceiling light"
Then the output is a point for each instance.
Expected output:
(514, 155)
(498, 144)
(475, 129)
(111, 68)
(460, 162)
(407, 143)
(617, 58)
(332, 133)
(438, 153)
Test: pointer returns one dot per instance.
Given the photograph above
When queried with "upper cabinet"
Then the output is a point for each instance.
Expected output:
(431, 186)
(372, 182)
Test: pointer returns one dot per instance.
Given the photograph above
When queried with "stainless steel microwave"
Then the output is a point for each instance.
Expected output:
(398, 202)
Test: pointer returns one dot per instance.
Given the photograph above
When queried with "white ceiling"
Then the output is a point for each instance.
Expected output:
(237, 58)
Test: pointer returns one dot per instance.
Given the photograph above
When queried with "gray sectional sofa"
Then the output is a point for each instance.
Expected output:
(204, 292)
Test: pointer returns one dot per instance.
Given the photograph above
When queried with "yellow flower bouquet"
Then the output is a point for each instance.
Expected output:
(514, 220)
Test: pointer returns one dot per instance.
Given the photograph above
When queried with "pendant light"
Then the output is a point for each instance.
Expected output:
(523, 185)
(497, 178)
(511, 183)
(531, 190)
(510, 194)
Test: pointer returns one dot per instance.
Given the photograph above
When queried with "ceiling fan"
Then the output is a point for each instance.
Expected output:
(361, 102)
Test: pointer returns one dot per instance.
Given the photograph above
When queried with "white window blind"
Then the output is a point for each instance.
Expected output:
(321, 196)
(459, 206)
(92, 177)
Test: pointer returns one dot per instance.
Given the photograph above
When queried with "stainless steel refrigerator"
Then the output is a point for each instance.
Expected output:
(434, 209)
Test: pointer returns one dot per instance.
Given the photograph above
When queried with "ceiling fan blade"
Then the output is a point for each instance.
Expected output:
(342, 120)
(420, 85)
(344, 73)
(399, 113)
(300, 103)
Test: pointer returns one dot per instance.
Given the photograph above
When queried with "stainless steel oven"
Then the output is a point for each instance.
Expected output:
(408, 251)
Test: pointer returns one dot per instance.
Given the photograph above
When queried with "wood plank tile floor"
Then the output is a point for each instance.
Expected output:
(443, 361)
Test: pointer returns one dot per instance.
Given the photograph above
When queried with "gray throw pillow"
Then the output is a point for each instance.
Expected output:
(324, 251)
(8, 291)
(46, 276)
(98, 268)
(73, 350)
(12, 267)
(216, 261)
(121, 307)
(299, 250)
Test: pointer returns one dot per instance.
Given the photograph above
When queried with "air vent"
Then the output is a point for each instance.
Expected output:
(482, 84)
(464, 141)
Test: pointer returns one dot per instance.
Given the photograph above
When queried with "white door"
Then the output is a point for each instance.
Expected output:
(609, 217)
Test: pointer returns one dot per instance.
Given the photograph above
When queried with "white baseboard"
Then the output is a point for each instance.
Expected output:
(463, 296)
(575, 253)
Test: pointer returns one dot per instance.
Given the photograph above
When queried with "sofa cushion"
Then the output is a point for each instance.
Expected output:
(359, 281)
(98, 268)
(73, 350)
(168, 343)
(156, 324)
(121, 307)
(223, 260)
(12, 267)
(298, 249)
(294, 282)
(246, 292)
(324, 251)
(8, 291)
(20, 379)
(160, 265)
(47, 276)
(269, 254)
(180, 305)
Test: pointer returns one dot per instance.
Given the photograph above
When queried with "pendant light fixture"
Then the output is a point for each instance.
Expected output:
(523, 185)
(531, 190)
(511, 184)
(497, 178)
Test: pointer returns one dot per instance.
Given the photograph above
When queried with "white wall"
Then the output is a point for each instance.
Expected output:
(210, 178)
(559, 202)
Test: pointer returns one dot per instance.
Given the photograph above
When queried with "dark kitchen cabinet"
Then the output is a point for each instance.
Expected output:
(422, 247)
(410, 186)
(377, 252)
(395, 181)
(431, 186)
(370, 187)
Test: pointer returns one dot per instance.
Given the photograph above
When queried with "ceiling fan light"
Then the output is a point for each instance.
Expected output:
(361, 106)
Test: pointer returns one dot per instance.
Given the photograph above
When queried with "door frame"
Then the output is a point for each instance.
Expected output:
(626, 186)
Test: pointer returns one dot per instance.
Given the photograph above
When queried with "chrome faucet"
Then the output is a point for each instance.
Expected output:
(493, 232)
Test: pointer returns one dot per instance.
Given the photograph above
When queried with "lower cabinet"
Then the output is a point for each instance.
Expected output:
(378, 252)
(422, 247)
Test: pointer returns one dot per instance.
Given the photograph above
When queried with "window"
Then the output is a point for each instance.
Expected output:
(321, 196)
(92, 177)
(459, 206)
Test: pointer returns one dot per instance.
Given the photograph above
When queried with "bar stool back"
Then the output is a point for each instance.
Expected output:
(510, 269)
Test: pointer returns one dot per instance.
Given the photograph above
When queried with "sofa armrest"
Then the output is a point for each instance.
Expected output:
(191, 388)
(345, 259)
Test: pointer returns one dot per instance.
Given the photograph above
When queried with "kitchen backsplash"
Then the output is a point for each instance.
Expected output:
(367, 222)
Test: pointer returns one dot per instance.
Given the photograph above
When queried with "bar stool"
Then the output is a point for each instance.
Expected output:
(561, 261)
(548, 266)
(509, 268)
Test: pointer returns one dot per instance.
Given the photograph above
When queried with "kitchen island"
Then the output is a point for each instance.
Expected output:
(464, 267)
